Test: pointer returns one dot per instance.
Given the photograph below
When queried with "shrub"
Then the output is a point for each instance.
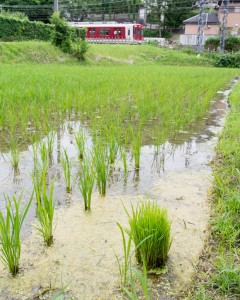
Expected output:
(212, 44)
(61, 36)
(22, 29)
(232, 44)
(228, 61)
(150, 223)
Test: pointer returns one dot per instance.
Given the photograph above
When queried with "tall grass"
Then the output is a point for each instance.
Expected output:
(148, 219)
(10, 229)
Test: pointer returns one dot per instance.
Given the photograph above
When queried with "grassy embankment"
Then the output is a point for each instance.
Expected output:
(44, 52)
(218, 274)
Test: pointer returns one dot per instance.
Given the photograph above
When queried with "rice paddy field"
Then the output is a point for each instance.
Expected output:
(79, 146)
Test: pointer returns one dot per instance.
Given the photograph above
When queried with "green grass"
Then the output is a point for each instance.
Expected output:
(222, 252)
(43, 52)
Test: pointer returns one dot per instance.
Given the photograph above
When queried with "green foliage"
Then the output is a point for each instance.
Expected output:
(14, 15)
(228, 60)
(66, 164)
(212, 44)
(18, 29)
(149, 220)
(150, 32)
(80, 48)
(232, 44)
(10, 228)
(62, 34)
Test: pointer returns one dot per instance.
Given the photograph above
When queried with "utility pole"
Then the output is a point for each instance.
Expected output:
(55, 5)
(201, 23)
(224, 26)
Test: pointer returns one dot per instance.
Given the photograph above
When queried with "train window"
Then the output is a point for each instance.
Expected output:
(117, 31)
(92, 31)
(134, 31)
(140, 32)
(104, 31)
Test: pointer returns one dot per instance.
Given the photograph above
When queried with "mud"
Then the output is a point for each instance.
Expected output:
(82, 259)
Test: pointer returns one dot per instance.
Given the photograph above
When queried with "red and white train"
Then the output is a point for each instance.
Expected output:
(111, 31)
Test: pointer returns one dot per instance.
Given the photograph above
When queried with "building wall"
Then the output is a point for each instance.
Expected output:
(208, 30)
(191, 39)
(233, 15)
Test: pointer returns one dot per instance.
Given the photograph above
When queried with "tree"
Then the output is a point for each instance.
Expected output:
(168, 14)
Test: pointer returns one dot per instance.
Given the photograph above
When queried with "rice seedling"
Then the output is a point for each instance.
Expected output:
(129, 274)
(66, 164)
(45, 213)
(149, 220)
(86, 182)
(44, 156)
(136, 146)
(14, 153)
(50, 142)
(101, 166)
(124, 268)
(80, 140)
(10, 229)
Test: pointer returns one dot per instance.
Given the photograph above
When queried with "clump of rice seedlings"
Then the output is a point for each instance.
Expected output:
(148, 219)
(45, 213)
(112, 149)
(101, 166)
(136, 146)
(86, 182)
(124, 158)
(10, 228)
(44, 155)
(80, 140)
(66, 164)
(50, 142)
(14, 153)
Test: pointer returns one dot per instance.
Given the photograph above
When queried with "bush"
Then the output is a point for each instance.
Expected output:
(212, 44)
(61, 36)
(20, 30)
(228, 61)
(150, 228)
(232, 44)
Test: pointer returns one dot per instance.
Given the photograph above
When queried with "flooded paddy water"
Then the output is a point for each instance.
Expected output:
(82, 259)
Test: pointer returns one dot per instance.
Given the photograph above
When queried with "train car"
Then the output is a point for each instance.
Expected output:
(111, 30)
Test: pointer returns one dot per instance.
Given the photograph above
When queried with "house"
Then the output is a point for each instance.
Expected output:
(212, 22)
(211, 28)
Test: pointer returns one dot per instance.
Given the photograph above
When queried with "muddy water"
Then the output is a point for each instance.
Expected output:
(82, 260)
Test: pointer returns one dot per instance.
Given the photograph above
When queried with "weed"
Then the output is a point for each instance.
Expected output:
(66, 164)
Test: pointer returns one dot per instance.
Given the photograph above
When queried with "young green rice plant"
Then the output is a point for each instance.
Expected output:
(128, 274)
(142, 279)
(14, 152)
(45, 213)
(66, 164)
(10, 228)
(50, 142)
(101, 166)
(80, 140)
(148, 219)
(44, 156)
(136, 146)
(86, 182)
